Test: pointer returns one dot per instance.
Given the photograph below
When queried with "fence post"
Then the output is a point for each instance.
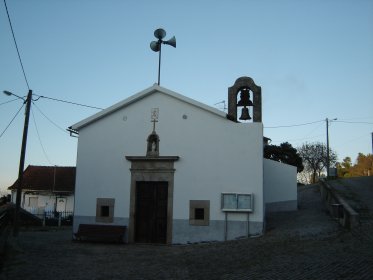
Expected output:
(59, 219)
(45, 214)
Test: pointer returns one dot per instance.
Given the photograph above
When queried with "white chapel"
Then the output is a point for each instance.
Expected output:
(175, 171)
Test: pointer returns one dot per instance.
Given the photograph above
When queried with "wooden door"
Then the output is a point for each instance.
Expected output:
(151, 212)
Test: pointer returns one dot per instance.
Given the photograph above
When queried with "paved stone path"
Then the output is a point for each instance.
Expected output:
(306, 244)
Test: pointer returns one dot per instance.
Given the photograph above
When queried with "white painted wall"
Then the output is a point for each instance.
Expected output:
(216, 155)
(280, 183)
(45, 202)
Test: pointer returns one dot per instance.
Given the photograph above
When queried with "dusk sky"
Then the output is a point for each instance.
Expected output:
(313, 60)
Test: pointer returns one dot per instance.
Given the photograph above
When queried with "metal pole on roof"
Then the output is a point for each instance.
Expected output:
(156, 46)
(159, 64)
(22, 164)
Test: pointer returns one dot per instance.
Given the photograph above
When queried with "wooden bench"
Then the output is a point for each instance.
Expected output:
(103, 233)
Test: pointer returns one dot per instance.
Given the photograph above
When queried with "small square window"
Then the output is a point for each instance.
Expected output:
(104, 211)
(199, 213)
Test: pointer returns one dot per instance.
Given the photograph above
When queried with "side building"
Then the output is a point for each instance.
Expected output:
(46, 189)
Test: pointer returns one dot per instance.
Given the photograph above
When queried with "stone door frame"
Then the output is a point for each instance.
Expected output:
(151, 169)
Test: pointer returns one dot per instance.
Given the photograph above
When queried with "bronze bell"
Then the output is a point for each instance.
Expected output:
(245, 98)
(245, 114)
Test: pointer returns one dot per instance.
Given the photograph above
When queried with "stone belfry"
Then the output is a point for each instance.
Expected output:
(245, 86)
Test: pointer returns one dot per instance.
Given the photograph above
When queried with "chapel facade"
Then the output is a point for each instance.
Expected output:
(174, 170)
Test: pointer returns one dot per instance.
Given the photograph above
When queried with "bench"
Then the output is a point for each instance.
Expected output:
(103, 233)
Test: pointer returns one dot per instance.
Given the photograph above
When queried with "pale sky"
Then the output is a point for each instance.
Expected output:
(313, 60)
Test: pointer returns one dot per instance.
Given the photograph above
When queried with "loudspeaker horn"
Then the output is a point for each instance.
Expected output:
(155, 46)
(160, 33)
(171, 42)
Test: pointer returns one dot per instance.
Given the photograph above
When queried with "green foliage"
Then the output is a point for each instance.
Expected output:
(343, 168)
(284, 153)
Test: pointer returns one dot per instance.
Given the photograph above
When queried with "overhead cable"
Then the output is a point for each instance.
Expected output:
(293, 125)
(8, 101)
(11, 120)
(69, 102)
(56, 125)
(15, 42)
(40, 142)
(355, 122)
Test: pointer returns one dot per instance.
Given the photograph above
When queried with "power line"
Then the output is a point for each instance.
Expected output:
(56, 125)
(357, 138)
(356, 118)
(9, 101)
(40, 142)
(298, 139)
(69, 102)
(293, 125)
(355, 122)
(12, 120)
(15, 42)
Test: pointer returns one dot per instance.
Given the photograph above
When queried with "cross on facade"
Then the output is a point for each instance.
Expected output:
(154, 116)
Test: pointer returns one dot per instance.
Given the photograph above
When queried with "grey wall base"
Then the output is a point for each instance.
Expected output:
(184, 233)
(282, 206)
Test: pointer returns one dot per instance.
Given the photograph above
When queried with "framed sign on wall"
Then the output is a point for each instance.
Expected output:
(237, 202)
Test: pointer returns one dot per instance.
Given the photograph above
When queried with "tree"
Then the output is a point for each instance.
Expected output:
(284, 153)
(344, 168)
(314, 157)
(363, 166)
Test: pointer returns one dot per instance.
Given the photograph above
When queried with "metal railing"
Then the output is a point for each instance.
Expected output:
(4, 218)
(56, 218)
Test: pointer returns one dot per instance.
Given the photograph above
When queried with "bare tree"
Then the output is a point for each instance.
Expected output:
(314, 157)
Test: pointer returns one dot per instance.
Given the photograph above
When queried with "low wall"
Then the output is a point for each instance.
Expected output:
(5, 228)
(280, 186)
(338, 207)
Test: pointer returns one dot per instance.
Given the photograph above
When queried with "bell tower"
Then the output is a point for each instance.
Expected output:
(245, 86)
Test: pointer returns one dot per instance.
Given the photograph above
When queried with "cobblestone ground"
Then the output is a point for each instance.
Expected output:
(306, 244)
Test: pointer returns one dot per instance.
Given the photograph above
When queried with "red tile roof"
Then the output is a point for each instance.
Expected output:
(52, 178)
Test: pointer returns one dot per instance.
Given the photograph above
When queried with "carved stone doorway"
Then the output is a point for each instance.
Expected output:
(152, 189)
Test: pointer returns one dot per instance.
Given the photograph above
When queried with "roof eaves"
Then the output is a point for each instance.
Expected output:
(113, 108)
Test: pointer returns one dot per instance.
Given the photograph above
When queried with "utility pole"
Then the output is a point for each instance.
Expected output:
(22, 164)
(327, 147)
